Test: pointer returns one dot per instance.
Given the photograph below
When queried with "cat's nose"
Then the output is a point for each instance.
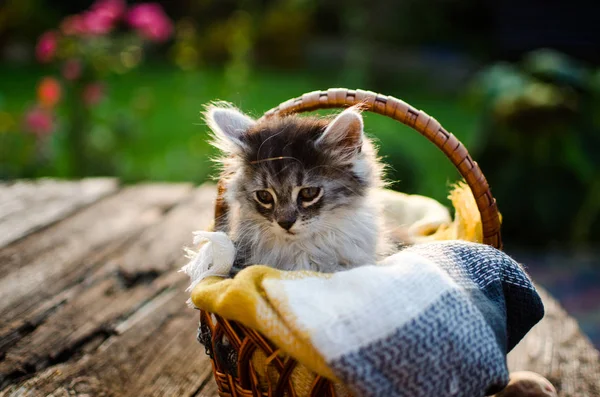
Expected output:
(287, 223)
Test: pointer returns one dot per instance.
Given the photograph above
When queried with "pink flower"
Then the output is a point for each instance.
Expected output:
(48, 92)
(94, 23)
(93, 93)
(72, 25)
(100, 19)
(112, 9)
(150, 21)
(46, 46)
(97, 22)
(39, 121)
(71, 69)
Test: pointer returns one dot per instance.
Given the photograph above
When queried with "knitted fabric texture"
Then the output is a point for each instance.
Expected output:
(434, 319)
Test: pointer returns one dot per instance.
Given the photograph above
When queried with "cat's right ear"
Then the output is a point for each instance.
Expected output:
(229, 126)
(345, 131)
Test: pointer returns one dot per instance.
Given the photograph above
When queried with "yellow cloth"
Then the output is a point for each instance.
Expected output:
(244, 299)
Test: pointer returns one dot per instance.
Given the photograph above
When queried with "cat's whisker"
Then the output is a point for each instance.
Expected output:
(286, 146)
(349, 188)
(349, 174)
(265, 141)
(274, 159)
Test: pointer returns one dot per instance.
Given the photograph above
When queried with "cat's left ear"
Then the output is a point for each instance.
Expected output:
(345, 131)
(229, 126)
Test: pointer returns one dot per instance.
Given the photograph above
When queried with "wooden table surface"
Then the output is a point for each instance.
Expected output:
(92, 304)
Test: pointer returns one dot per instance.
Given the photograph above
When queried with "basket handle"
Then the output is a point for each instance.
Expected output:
(416, 119)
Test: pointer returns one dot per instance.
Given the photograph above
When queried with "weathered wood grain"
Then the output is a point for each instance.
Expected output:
(557, 349)
(143, 202)
(111, 293)
(155, 354)
(162, 246)
(29, 206)
(92, 313)
(116, 293)
(209, 389)
(35, 270)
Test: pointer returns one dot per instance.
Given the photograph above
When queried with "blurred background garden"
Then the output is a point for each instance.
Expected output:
(116, 88)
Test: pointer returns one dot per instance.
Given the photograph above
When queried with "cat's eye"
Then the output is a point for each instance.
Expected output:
(309, 193)
(264, 197)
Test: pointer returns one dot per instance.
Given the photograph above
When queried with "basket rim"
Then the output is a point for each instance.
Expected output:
(418, 120)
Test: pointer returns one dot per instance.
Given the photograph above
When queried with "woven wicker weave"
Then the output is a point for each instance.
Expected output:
(242, 379)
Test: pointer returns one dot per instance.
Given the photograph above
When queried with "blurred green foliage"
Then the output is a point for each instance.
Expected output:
(160, 106)
(538, 144)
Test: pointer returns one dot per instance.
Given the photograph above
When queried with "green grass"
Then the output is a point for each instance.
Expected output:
(170, 143)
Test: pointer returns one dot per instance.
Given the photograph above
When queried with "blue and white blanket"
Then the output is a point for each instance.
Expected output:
(435, 319)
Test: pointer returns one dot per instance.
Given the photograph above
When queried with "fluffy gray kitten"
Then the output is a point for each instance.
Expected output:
(300, 190)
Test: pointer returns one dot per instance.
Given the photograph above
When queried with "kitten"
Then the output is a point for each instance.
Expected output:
(300, 190)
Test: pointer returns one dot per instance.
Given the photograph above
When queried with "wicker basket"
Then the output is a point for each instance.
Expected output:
(242, 378)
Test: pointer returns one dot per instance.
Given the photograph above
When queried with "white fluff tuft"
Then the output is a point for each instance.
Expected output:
(214, 258)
